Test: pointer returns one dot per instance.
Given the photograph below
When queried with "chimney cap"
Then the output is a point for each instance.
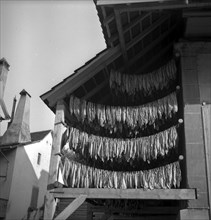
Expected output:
(4, 62)
(24, 92)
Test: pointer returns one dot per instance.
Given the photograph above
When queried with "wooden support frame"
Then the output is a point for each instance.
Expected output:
(157, 210)
(153, 44)
(71, 207)
(130, 25)
(144, 67)
(104, 193)
(117, 2)
(121, 37)
(134, 5)
(59, 129)
(206, 112)
(95, 90)
(147, 31)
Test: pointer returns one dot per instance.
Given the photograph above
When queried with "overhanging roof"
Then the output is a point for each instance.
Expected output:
(139, 37)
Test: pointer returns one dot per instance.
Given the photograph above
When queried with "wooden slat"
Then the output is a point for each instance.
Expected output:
(156, 194)
(108, 19)
(121, 36)
(117, 2)
(151, 217)
(161, 6)
(153, 44)
(148, 30)
(153, 59)
(143, 210)
(106, 24)
(95, 90)
(131, 25)
(71, 207)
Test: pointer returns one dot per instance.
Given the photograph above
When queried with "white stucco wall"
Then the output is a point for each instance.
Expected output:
(28, 174)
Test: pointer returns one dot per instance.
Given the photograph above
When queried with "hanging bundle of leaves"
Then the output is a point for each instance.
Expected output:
(132, 116)
(145, 148)
(82, 176)
(145, 84)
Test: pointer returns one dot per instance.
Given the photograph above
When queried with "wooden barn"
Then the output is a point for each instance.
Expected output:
(132, 126)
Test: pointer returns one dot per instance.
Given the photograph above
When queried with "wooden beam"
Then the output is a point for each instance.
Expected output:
(108, 19)
(153, 59)
(106, 24)
(121, 36)
(131, 25)
(162, 6)
(50, 202)
(71, 207)
(156, 194)
(206, 119)
(151, 217)
(147, 31)
(118, 2)
(143, 210)
(153, 44)
(95, 90)
(105, 98)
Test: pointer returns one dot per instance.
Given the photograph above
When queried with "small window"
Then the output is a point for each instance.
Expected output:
(38, 158)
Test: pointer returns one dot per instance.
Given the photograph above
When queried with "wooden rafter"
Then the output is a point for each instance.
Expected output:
(121, 36)
(156, 194)
(108, 19)
(130, 25)
(153, 44)
(106, 24)
(135, 5)
(147, 31)
(117, 2)
(105, 98)
(153, 59)
(95, 90)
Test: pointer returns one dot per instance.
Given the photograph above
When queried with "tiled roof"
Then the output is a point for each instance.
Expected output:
(39, 135)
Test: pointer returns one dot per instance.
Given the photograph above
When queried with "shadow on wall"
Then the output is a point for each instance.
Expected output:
(36, 211)
(28, 187)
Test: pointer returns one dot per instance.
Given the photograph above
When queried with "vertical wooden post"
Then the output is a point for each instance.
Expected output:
(59, 128)
(206, 119)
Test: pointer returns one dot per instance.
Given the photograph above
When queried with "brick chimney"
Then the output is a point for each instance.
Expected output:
(4, 68)
(19, 130)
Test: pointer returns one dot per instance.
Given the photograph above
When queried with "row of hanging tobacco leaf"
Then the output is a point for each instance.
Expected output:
(78, 175)
(132, 89)
(109, 116)
(145, 148)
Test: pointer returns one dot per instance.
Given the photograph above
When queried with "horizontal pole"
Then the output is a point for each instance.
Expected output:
(155, 194)
(117, 2)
